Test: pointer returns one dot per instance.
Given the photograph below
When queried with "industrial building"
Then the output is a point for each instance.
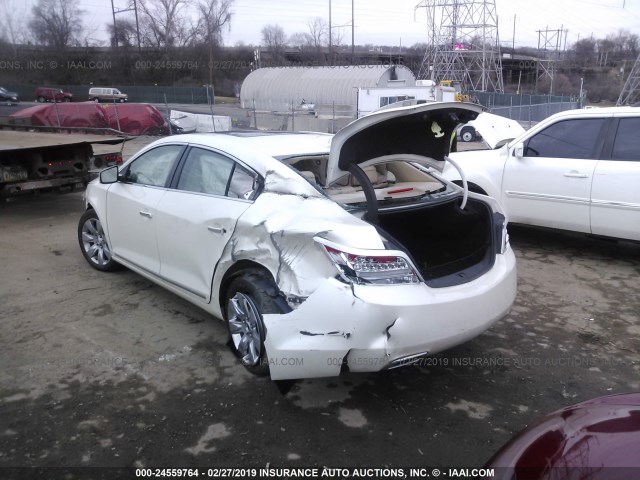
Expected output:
(281, 89)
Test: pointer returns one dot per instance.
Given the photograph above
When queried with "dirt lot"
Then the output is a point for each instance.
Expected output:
(109, 370)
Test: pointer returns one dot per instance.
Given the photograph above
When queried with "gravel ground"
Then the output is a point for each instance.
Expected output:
(110, 370)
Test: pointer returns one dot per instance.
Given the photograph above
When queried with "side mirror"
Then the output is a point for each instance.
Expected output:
(109, 175)
(518, 150)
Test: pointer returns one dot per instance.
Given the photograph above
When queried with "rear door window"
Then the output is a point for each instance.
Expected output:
(626, 145)
(210, 172)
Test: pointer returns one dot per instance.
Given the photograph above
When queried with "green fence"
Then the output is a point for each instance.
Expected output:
(492, 99)
(137, 93)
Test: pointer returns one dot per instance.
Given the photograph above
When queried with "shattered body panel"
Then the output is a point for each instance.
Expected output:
(277, 232)
(367, 328)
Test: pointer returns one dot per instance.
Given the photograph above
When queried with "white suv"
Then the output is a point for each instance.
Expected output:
(577, 170)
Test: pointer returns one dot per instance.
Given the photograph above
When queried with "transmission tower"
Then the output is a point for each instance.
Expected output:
(630, 94)
(463, 44)
(549, 52)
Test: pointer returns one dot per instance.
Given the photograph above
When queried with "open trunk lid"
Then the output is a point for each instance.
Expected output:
(422, 130)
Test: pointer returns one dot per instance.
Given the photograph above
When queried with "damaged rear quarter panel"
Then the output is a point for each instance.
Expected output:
(277, 232)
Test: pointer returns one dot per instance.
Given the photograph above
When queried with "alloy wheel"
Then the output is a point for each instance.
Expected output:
(94, 242)
(245, 327)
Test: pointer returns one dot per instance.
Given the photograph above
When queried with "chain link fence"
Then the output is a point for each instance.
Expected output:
(136, 93)
(316, 118)
(526, 109)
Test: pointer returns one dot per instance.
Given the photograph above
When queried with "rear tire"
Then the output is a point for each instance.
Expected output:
(250, 295)
(41, 99)
(93, 243)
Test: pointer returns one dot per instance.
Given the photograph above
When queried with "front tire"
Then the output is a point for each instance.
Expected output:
(250, 295)
(468, 134)
(93, 243)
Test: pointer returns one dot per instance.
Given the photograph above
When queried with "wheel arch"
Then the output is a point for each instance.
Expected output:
(234, 271)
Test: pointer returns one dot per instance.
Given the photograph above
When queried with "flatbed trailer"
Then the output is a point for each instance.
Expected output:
(34, 161)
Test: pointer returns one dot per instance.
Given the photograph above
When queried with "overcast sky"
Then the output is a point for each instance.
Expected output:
(395, 22)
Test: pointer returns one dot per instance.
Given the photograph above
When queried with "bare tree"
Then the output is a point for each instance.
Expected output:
(300, 40)
(123, 34)
(12, 24)
(213, 17)
(585, 51)
(318, 32)
(56, 23)
(274, 39)
(164, 23)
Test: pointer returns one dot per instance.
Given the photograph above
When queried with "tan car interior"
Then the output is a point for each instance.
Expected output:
(394, 180)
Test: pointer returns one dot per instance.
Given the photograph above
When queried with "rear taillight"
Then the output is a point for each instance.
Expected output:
(372, 267)
(113, 157)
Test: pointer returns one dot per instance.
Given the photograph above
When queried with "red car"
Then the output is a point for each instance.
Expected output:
(48, 94)
(131, 119)
(593, 440)
(136, 118)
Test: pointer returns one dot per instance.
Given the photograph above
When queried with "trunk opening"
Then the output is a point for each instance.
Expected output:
(449, 246)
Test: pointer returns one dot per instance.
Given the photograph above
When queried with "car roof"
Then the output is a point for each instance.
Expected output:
(599, 111)
(273, 144)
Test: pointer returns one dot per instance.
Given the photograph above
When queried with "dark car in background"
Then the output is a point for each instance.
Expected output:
(50, 94)
(592, 440)
(7, 96)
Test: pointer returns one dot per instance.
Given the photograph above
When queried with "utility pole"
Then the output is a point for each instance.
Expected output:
(513, 42)
(353, 33)
(330, 39)
(115, 31)
(133, 9)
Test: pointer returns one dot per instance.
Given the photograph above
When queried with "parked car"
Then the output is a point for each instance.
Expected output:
(577, 170)
(132, 119)
(102, 94)
(322, 253)
(468, 133)
(591, 440)
(7, 96)
(48, 94)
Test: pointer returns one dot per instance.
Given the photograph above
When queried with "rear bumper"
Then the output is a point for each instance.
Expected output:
(31, 185)
(371, 328)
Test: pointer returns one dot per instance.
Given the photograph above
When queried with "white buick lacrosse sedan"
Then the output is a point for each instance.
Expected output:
(322, 253)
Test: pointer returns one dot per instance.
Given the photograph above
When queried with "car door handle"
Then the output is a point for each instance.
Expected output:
(145, 214)
(576, 175)
(218, 230)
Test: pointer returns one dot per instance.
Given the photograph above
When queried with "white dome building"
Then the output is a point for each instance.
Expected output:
(277, 89)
